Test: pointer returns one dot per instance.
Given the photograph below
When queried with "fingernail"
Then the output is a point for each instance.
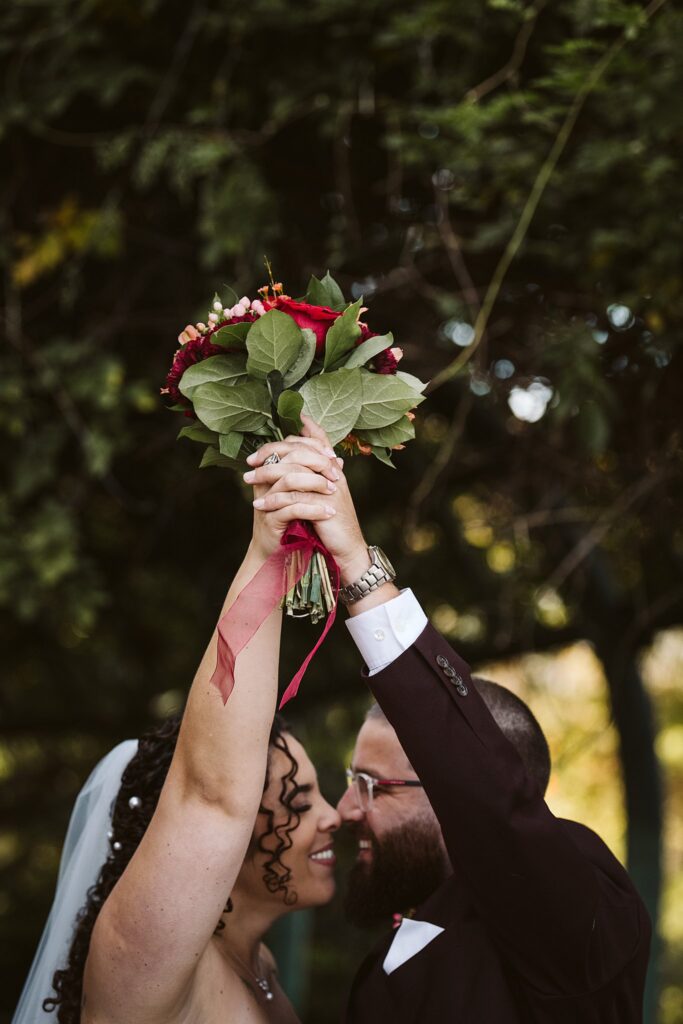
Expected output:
(340, 461)
(248, 477)
(251, 459)
(330, 511)
(330, 452)
(331, 487)
(258, 502)
(335, 474)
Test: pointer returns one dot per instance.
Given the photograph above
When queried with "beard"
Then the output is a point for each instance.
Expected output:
(408, 864)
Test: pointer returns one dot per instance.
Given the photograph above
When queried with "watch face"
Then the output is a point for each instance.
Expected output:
(384, 562)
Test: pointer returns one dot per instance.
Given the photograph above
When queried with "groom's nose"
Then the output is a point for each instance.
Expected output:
(348, 808)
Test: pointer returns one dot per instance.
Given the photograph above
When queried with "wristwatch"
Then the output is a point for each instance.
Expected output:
(381, 571)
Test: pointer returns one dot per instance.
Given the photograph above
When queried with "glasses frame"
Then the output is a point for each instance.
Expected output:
(371, 782)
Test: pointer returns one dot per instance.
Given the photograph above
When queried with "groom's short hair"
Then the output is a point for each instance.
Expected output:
(517, 723)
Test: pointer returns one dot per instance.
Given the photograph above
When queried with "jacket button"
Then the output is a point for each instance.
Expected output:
(441, 661)
(450, 672)
(461, 688)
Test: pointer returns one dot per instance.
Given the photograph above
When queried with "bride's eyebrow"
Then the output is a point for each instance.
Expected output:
(305, 788)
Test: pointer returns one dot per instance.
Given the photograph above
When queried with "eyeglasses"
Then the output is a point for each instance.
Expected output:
(365, 786)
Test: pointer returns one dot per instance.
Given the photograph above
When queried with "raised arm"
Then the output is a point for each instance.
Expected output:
(552, 895)
(153, 929)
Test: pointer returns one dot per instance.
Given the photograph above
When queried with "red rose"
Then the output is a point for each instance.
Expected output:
(317, 318)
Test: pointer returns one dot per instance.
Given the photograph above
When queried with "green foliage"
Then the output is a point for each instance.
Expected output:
(289, 407)
(325, 293)
(304, 359)
(385, 398)
(364, 352)
(334, 400)
(273, 343)
(225, 407)
(228, 369)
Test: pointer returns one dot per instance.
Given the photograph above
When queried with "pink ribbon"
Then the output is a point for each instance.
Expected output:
(261, 596)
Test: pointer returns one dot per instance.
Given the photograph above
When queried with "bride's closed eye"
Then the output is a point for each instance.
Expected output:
(298, 791)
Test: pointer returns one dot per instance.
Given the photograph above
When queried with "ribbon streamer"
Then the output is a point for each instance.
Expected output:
(261, 596)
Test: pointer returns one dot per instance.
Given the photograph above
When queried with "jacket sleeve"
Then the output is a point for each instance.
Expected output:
(566, 925)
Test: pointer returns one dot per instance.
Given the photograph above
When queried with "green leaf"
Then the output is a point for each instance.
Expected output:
(414, 382)
(230, 444)
(275, 386)
(289, 406)
(383, 455)
(212, 457)
(386, 437)
(225, 407)
(227, 369)
(384, 398)
(198, 432)
(342, 335)
(325, 293)
(303, 361)
(232, 335)
(368, 349)
(273, 343)
(333, 400)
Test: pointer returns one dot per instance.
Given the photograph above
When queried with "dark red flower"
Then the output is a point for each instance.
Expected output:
(316, 318)
(194, 351)
(385, 362)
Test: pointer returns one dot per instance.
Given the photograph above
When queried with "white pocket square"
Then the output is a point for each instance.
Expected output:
(410, 938)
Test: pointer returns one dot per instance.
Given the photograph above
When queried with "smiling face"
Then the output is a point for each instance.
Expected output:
(401, 855)
(293, 835)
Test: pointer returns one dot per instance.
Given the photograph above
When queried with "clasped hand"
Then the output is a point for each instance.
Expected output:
(307, 483)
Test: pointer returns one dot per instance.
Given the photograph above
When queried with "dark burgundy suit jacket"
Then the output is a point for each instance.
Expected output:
(541, 922)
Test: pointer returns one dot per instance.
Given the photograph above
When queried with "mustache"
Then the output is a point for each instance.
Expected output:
(357, 831)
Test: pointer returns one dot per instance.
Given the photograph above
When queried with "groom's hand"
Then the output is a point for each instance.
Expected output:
(310, 475)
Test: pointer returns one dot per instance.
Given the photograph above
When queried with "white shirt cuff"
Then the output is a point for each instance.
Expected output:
(383, 633)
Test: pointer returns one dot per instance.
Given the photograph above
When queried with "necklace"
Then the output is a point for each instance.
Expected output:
(262, 982)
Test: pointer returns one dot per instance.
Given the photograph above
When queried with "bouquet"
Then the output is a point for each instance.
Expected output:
(245, 376)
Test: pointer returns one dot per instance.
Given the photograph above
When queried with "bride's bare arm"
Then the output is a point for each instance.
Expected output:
(159, 919)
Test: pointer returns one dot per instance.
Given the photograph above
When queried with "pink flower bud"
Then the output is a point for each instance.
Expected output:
(189, 334)
(218, 306)
(258, 307)
(202, 328)
(244, 301)
(213, 318)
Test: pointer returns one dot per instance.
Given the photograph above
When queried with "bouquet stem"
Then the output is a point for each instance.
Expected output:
(313, 595)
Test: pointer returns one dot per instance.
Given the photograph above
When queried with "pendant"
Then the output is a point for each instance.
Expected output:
(265, 988)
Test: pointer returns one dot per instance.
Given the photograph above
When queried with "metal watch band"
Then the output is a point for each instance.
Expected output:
(372, 579)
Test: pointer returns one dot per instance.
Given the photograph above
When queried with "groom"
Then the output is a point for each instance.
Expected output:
(503, 914)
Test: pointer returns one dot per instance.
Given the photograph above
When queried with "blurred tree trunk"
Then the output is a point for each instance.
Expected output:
(615, 645)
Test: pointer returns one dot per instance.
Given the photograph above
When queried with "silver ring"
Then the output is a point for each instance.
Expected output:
(272, 460)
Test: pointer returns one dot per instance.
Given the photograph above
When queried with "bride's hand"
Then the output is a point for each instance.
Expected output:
(303, 483)
(286, 490)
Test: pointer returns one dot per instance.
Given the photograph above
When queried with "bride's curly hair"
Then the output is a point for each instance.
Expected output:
(143, 779)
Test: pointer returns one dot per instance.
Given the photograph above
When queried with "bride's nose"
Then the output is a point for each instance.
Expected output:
(330, 818)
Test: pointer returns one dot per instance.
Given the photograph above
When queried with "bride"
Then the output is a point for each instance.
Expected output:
(199, 858)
